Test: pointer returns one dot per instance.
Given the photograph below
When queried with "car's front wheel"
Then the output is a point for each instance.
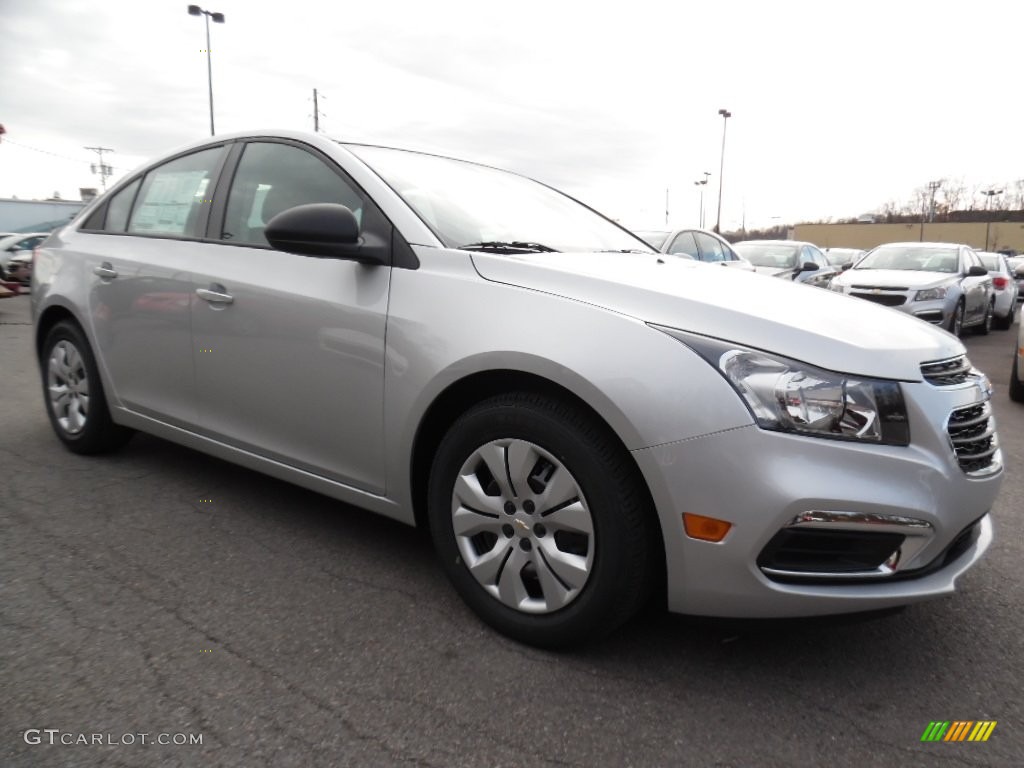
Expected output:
(986, 323)
(1016, 387)
(73, 392)
(540, 520)
(956, 321)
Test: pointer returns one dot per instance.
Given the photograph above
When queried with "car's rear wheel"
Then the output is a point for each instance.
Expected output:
(75, 401)
(956, 322)
(540, 520)
(1016, 387)
(1004, 323)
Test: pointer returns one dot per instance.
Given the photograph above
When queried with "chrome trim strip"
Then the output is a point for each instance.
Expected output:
(862, 521)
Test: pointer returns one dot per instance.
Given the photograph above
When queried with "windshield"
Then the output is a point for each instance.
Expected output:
(911, 257)
(768, 255)
(468, 204)
(653, 239)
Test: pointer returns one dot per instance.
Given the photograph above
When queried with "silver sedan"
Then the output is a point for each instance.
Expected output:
(580, 422)
(942, 283)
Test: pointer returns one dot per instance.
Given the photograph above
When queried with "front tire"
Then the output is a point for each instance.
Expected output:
(956, 322)
(1016, 387)
(73, 393)
(540, 520)
(986, 323)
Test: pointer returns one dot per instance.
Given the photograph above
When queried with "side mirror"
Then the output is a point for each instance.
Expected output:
(977, 271)
(809, 266)
(846, 266)
(325, 230)
(1019, 272)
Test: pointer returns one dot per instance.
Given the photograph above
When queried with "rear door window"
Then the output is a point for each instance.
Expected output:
(175, 197)
(710, 248)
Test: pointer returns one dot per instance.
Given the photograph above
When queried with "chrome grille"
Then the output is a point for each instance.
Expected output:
(972, 433)
(947, 373)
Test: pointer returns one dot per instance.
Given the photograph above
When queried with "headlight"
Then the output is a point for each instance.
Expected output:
(931, 294)
(789, 396)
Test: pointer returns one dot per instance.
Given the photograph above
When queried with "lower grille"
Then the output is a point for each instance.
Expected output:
(885, 299)
(816, 551)
(972, 433)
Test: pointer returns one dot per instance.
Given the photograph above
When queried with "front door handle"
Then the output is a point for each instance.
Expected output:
(215, 294)
(105, 270)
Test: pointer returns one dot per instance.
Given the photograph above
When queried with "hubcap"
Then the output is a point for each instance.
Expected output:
(68, 387)
(522, 526)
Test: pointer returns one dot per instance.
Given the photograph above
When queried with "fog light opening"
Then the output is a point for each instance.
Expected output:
(705, 528)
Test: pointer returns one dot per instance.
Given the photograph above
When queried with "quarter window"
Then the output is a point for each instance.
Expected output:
(711, 249)
(173, 197)
(120, 206)
(272, 178)
(685, 244)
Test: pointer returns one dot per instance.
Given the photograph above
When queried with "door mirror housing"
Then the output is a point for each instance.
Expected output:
(1019, 272)
(809, 266)
(327, 230)
(977, 271)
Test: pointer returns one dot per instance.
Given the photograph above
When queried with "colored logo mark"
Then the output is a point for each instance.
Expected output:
(958, 730)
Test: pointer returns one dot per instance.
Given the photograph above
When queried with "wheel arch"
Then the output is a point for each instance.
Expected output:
(461, 395)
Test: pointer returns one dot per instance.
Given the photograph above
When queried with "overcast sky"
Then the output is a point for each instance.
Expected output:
(837, 106)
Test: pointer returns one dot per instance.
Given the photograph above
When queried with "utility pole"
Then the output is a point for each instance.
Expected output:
(316, 113)
(989, 194)
(101, 168)
(933, 186)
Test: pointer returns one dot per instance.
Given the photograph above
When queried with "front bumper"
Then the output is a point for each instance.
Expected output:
(935, 311)
(762, 481)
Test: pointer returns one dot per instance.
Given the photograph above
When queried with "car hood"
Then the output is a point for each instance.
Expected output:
(895, 278)
(818, 326)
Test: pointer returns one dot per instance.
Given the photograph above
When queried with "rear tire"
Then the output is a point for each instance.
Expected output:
(558, 544)
(1004, 323)
(73, 393)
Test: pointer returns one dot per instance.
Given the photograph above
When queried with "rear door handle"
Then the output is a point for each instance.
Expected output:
(215, 294)
(105, 270)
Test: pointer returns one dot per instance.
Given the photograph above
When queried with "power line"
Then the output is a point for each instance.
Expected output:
(46, 152)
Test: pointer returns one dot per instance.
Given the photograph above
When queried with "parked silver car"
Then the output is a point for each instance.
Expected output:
(697, 244)
(789, 260)
(941, 283)
(577, 419)
(1004, 287)
(18, 245)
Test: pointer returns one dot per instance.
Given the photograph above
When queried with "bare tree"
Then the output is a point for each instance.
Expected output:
(953, 193)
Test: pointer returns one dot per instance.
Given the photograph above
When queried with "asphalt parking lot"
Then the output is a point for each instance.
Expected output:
(159, 591)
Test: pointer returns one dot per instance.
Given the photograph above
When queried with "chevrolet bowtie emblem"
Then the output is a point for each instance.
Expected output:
(521, 524)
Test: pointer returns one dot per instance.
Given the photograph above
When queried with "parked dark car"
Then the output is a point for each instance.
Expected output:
(790, 260)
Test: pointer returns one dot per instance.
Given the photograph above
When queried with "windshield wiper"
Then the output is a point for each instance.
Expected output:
(511, 246)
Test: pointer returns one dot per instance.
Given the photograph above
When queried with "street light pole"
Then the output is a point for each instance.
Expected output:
(218, 18)
(726, 114)
(700, 215)
(989, 194)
